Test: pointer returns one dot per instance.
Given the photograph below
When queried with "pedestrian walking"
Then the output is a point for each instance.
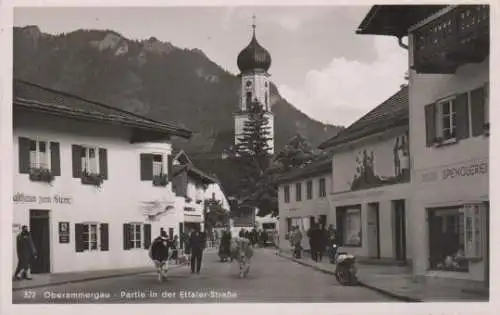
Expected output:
(197, 244)
(332, 241)
(158, 253)
(175, 249)
(26, 251)
(297, 242)
(187, 246)
(312, 242)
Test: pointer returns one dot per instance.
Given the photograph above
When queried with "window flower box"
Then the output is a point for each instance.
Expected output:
(92, 179)
(160, 180)
(41, 175)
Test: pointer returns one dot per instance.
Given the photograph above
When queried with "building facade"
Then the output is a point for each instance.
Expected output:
(371, 189)
(449, 72)
(303, 199)
(81, 183)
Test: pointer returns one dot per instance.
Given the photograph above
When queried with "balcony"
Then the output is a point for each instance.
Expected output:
(457, 37)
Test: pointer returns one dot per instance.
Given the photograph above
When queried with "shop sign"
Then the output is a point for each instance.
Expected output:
(55, 199)
(471, 169)
(63, 232)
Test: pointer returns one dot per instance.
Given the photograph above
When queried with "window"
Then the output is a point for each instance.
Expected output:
(157, 165)
(91, 237)
(447, 123)
(40, 159)
(322, 188)
(309, 189)
(90, 160)
(349, 225)
(456, 236)
(39, 155)
(298, 191)
(248, 100)
(136, 235)
(153, 168)
(286, 192)
(457, 117)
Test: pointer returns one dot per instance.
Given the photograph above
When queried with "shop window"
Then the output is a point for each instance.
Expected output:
(455, 236)
(309, 190)
(286, 193)
(136, 235)
(91, 237)
(322, 188)
(349, 225)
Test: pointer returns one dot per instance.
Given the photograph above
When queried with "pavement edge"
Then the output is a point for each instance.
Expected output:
(361, 283)
(86, 279)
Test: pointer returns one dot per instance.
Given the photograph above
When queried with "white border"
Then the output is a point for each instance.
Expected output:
(334, 308)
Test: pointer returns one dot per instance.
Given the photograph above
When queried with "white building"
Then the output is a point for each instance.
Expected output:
(303, 198)
(91, 181)
(449, 73)
(370, 189)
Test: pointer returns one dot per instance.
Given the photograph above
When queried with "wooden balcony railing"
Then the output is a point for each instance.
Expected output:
(455, 38)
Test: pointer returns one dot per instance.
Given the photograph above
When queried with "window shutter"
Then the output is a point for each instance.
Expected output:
(430, 124)
(24, 155)
(340, 216)
(462, 116)
(478, 111)
(79, 244)
(104, 237)
(77, 160)
(170, 161)
(147, 236)
(126, 238)
(55, 159)
(146, 166)
(103, 162)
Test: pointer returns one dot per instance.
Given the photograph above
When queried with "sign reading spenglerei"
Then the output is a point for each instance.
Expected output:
(468, 169)
(56, 199)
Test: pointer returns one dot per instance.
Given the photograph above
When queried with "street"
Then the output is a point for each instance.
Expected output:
(271, 279)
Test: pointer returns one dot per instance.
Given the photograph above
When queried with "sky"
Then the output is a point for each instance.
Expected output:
(318, 64)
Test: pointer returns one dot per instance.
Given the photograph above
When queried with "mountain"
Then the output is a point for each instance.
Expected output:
(151, 78)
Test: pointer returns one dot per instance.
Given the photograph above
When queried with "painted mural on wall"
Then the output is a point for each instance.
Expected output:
(366, 176)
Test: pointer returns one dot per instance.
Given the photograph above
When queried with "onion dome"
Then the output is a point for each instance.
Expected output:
(254, 57)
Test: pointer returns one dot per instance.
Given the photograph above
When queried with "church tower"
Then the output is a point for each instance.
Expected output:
(254, 61)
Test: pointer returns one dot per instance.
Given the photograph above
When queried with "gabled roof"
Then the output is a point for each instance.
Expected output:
(390, 114)
(34, 97)
(182, 157)
(395, 20)
(319, 167)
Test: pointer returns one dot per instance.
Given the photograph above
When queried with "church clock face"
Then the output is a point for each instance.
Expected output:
(248, 83)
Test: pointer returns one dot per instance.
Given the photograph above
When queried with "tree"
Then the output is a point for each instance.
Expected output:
(253, 154)
(296, 153)
(214, 214)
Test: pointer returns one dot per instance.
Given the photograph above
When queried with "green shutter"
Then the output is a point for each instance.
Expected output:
(55, 159)
(146, 166)
(103, 163)
(104, 236)
(24, 155)
(430, 124)
(77, 160)
(79, 244)
(147, 236)
(478, 111)
(462, 116)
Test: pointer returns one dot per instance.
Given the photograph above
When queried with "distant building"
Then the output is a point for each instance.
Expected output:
(448, 49)
(303, 199)
(91, 181)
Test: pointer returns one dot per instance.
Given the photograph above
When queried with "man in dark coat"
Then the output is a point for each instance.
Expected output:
(197, 244)
(25, 252)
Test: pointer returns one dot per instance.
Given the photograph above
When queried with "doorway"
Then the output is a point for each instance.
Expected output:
(373, 230)
(40, 233)
(398, 207)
